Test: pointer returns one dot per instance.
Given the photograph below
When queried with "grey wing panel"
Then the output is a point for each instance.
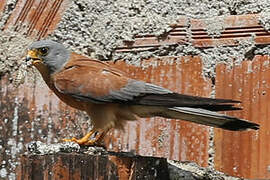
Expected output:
(129, 94)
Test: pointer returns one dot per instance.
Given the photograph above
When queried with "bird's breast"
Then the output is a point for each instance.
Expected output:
(68, 99)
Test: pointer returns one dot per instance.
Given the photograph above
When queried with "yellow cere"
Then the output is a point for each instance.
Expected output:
(33, 54)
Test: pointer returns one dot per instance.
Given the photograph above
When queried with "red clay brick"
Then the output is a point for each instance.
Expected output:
(72, 166)
(2, 5)
(41, 17)
(238, 27)
(245, 154)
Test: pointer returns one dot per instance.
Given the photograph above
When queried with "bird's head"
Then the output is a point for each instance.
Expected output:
(49, 54)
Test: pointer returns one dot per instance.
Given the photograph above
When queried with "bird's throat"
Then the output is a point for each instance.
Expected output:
(43, 69)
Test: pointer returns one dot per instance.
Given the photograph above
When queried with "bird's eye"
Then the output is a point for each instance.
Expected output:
(43, 51)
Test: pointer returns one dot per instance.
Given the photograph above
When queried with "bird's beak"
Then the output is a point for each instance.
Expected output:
(33, 55)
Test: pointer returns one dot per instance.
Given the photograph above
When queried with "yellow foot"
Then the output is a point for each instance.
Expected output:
(85, 140)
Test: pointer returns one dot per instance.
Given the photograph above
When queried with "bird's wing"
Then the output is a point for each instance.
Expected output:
(98, 82)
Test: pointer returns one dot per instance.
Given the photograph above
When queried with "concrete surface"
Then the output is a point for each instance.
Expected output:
(9, 6)
(191, 171)
(12, 52)
(97, 28)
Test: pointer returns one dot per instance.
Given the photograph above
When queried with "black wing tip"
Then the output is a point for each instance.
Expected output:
(239, 125)
(209, 101)
(216, 100)
(227, 101)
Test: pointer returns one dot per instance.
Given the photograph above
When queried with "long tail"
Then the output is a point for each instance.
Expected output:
(182, 100)
(158, 101)
(209, 118)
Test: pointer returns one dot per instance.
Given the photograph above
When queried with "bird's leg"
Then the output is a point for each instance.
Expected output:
(90, 142)
(83, 140)
(98, 138)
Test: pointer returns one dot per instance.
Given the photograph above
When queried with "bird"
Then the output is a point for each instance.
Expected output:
(111, 98)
